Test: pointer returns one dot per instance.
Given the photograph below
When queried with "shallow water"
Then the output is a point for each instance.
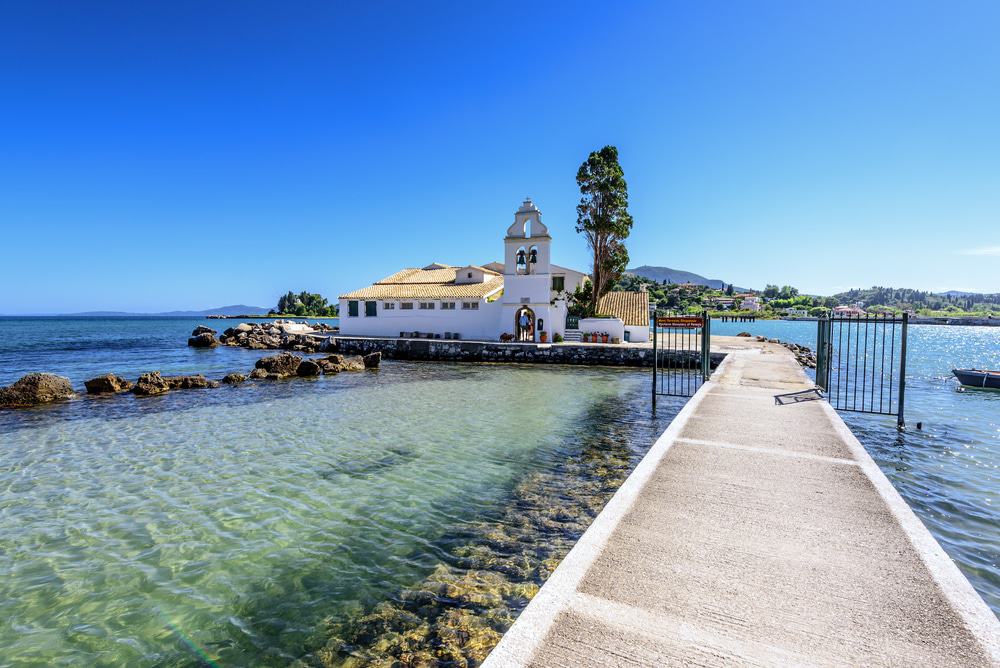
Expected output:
(948, 471)
(240, 525)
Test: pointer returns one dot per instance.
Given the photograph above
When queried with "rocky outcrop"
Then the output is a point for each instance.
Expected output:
(150, 384)
(203, 340)
(234, 378)
(278, 335)
(34, 389)
(109, 383)
(803, 355)
(372, 360)
(258, 374)
(201, 329)
(308, 369)
(746, 334)
(281, 366)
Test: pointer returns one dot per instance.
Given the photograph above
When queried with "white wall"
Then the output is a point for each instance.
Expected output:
(611, 326)
(482, 324)
(637, 333)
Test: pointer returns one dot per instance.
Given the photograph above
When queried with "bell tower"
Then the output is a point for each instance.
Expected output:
(527, 246)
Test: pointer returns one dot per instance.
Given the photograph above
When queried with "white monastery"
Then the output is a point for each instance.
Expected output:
(523, 298)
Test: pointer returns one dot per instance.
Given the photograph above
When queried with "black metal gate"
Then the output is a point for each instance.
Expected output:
(861, 363)
(681, 355)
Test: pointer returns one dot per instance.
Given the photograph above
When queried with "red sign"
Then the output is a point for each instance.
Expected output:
(680, 322)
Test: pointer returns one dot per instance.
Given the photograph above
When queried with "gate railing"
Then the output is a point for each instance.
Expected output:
(861, 363)
(681, 355)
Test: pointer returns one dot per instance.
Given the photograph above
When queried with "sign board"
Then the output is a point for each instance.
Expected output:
(680, 322)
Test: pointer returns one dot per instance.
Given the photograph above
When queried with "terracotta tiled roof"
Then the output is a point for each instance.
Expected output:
(631, 307)
(428, 284)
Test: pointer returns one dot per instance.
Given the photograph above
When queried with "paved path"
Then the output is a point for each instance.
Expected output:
(755, 534)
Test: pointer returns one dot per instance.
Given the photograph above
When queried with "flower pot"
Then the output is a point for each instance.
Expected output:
(604, 338)
(544, 336)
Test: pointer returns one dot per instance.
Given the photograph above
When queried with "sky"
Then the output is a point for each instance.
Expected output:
(186, 155)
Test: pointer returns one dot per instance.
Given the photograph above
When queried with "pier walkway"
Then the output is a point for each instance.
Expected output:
(755, 534)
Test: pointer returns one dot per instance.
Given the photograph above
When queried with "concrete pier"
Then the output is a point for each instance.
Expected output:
(755, 534)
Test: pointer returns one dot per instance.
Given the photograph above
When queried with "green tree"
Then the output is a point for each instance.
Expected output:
(603, 218)
(771, 291)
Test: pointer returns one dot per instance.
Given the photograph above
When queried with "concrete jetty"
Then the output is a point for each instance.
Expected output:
(757, 534)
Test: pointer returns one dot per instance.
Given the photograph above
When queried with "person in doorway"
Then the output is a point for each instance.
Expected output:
(523, 323)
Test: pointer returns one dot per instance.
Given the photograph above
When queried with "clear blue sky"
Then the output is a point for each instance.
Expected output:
(158, 156)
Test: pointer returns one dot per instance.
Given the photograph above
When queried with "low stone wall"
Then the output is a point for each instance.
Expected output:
(481, 351)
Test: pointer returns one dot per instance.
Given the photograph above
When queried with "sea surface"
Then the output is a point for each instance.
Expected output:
(409, 511)
(948, 470)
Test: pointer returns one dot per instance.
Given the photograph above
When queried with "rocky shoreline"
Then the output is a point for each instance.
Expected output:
(279, 335)
(35, 389)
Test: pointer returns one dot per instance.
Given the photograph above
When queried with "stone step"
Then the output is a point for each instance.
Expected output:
(573, 335)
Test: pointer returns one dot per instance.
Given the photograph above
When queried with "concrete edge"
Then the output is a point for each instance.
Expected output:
(523, 638)
(953, 583)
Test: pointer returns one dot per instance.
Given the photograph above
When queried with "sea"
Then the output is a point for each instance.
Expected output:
(374, 515)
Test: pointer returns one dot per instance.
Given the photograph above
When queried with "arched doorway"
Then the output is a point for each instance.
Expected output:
(524, 324)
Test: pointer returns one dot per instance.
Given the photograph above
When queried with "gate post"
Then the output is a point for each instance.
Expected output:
(900, 421)
(655, 361)
(822, 353)
(706, 346)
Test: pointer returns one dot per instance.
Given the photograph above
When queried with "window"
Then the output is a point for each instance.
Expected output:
(469, 275)
(406, 306)
(352, 309)
(558, 283)
(388, 306)
(426, 306)
(470, 306)
(447, 306)
(370, 309)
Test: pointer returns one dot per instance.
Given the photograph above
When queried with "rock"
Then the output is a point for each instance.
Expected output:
(282, 365)
(328, 344)
(327, 366)
(106, 384)
(308, 369)
(372, 360)
(150, 384)
(233, 378)
(34, 389)
(353, 363)
(201, 329)
(243, 327)
(744, 334)
(203, 340)
(258, 374)
(196, 382)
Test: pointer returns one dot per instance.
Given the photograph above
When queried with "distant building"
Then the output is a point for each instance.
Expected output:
(797, 313)
(722, 303)
(751, 303)
(848, 310)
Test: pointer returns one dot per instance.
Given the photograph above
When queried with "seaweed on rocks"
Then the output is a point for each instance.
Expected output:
(457, 614)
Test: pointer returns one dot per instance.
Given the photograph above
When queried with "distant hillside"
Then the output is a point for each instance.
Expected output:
(235, 309)
(661, 274)
(959, 293)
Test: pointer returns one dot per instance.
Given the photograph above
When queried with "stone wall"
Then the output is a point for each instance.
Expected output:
(479, 351)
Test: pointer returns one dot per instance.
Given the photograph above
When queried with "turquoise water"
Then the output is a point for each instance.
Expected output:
(949, 471)
(239, 525)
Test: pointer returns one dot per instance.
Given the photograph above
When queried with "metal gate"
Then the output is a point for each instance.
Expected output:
(681, 355)
(861, 363)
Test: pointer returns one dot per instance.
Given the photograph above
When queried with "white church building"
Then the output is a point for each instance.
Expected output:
(522, 299)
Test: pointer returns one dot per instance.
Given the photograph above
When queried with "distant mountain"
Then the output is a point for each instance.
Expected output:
(959, 293)
(660, 274)
(235, 309)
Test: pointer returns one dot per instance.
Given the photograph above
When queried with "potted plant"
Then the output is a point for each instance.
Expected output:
(557, 338)
(543, 336)
(586, 337)
(604, 337)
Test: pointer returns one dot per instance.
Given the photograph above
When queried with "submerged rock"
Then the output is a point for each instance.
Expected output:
(150, 384)
(195, 382)
(282, 365)
(109, 383)
(34, 389)
(203, 340)
(258, 374)
(233, 378)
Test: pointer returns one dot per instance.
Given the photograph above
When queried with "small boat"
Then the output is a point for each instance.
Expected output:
(978, 378)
